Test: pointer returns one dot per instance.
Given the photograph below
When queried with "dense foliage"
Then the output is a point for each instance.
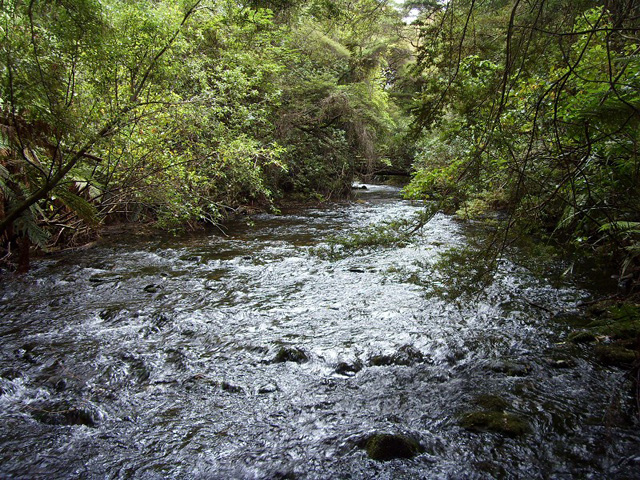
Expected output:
(534, 107)
(180, 112)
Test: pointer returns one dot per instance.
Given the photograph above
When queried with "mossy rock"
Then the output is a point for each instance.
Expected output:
(625, 311)
(492, 403)
(621, 330)
(286, 354)
(619, 322)
(383, 447)
(581, 336)
(497, 422)
(381, 361)
(615, 355)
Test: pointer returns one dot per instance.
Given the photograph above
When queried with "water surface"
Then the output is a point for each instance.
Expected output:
(163, 351)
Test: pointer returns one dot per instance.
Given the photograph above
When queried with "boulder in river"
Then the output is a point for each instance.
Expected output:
(561, 362)
(291, 354)
(270, 387)
(493, 418)
(384, 446)
(405, 356)
(63, 413)
(152, 288)
(511, 369)
(348, 369)
(491, 402)
(230, 388)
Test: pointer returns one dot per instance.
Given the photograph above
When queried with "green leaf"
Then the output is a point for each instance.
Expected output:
(78, 205)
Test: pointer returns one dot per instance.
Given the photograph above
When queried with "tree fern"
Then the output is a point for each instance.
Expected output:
(78, 205)
(625, 227)
(26, 226)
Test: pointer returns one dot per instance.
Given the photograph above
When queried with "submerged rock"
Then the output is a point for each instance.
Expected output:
(11, 373)
(561, 362)
(511, 369)
(494, 421)
(270, 387)
(291, 354)
(344, 368)
(405, 356)
(384, 446)
(62, 413)
(105, 278)
(491, 402)
(108, 313)
(152, 288)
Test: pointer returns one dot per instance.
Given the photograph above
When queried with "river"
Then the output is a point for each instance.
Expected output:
(252, 356)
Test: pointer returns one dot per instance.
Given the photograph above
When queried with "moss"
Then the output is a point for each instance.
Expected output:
(620, 321)
(384, 447)
(497, 422)
(621, 330)
(491, 402)
(615, 355)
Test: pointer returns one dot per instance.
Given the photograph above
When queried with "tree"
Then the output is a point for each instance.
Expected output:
(70, 83)
(533, 107)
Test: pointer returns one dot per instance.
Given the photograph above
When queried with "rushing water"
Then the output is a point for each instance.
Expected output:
(155, 359)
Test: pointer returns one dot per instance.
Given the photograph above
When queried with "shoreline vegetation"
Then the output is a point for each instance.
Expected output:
(180, 112)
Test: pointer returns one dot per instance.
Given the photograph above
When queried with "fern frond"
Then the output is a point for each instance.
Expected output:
(628, 227)
(26, 226)
(78, 205)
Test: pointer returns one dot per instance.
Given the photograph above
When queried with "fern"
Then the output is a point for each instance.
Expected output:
(26, 226)
(625, 227)
(78, 205)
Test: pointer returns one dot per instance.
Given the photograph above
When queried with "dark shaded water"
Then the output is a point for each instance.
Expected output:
(161, 352)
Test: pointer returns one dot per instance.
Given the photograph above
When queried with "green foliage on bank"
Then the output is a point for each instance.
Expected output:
(533, 108)
(182, 112)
